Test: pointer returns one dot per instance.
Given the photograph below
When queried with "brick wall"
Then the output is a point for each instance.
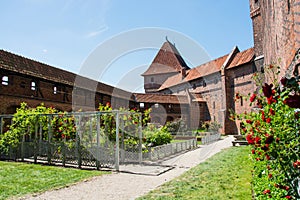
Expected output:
(239, 82)
(153, 82)
(257, 24)
(276, 29)
(19, 89)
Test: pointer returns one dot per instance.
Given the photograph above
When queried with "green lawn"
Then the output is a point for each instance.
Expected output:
(227, 175)
(18, 179)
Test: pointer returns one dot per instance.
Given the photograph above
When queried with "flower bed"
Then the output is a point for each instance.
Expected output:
(272, 128)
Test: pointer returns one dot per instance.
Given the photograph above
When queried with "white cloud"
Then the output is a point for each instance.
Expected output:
(45, 50)
(95, 33)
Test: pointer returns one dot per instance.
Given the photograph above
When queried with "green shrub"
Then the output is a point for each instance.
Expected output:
(177, 125)
(157, 136)
(272, 129)
(24, 122)
(211, 126)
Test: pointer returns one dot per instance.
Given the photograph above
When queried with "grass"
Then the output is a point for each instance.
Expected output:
(227, 175)
(19, 179)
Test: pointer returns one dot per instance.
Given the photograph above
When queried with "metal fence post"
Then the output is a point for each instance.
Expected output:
(22, 147)
(117, 155)
(41, 138)
(98, 143)
(35, 148)
(78, 147)
(49, 140)
(140, 140)
(122, 142)
(150, 153)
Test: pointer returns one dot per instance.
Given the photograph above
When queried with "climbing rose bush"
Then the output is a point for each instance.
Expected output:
(272, 129)
(26, 120)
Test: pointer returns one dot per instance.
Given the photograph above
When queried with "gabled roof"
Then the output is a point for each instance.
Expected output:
(167, 60)
(195, 73)
(161, 98)
(242, 58)
(20, 64)
(239, 58)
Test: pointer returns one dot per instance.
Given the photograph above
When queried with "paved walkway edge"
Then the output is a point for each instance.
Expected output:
(125, 186)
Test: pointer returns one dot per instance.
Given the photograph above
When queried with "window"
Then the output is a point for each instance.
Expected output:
(5, 80)
(54, 90)
(204, 84)
(152, 80)
(33, 86)
(214, 105)
(242, 101)
(142, 105)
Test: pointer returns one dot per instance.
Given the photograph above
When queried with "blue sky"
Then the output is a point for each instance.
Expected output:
(64, 33)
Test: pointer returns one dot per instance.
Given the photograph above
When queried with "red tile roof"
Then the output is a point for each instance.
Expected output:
(209, 68)
(19, 64)
(195, 73)
(242, 58)
(161, 98)
(167, 60)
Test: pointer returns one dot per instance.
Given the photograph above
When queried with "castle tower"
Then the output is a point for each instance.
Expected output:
(257, 23)
(166, 63)
(276, 31)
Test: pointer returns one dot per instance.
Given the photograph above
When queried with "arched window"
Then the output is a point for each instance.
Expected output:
(54, 90)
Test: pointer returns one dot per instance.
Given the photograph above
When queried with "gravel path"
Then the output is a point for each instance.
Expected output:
(119, 186)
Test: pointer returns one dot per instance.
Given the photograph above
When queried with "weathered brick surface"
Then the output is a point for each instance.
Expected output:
(276, 30)
(239, 85)
(19, 89)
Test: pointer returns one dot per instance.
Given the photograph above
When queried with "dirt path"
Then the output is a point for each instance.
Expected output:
(124, 186)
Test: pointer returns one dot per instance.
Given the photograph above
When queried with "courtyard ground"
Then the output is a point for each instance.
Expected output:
(127, 186)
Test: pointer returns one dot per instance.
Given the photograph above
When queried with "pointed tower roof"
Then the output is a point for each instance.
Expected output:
(167, 60)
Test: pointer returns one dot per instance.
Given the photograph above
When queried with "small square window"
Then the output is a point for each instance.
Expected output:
(5, 80)
(33, 86)
(54, 90)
